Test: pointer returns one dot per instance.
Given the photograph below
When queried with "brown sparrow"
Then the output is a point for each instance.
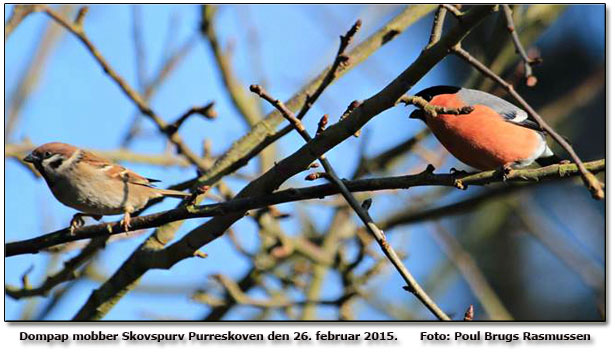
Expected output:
(92, 184)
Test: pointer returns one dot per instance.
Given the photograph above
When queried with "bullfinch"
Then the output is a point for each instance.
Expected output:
(496, 134)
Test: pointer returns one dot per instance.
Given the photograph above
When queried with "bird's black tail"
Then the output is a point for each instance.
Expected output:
(545, 161)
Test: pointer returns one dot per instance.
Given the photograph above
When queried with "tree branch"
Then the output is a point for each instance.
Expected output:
(243, 102)
(206, 111)
(525, 176)
(263, 133)
(436, 27)
(411, 284)
(590, 180)
(17, 15)
(170, 63)
(69, 272)
(471, 272)
(434, 110)
(18, 151)
(339, 63)
(76, 28)
(104, 298)
(30, 78)
(530, 79)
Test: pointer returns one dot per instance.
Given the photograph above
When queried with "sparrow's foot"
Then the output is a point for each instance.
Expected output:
(77, 221)
(125, 222)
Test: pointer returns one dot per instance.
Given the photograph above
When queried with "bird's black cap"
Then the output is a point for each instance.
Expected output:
(428, 93)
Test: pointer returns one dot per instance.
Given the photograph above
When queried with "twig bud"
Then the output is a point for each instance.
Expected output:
(322, 124)
(256, 89)
(314, 176)
(366, 204)
(469, 315)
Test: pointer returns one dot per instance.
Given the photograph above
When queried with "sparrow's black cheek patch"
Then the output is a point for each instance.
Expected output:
(55, 164)
(41, 170)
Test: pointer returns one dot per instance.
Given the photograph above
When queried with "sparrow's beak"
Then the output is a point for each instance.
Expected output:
(30, 158)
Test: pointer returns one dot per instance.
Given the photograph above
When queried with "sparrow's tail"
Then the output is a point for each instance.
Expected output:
(173, 193)
(552, 159)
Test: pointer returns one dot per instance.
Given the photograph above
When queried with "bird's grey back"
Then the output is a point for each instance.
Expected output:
(503, 107)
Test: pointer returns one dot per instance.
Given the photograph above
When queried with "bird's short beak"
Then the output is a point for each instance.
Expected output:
(417, 114)
(29, 158)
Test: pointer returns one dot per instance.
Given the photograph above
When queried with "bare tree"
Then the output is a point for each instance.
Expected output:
(358, 251)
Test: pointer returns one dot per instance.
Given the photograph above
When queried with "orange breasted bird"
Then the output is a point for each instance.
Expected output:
(496, 134)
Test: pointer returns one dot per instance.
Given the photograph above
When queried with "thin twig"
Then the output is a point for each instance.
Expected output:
(133, 95)
(436, 27)
(412, 215)
(68, 273)
(170, 63)
(30, 77)
(387, 157)
(471, 273)
(238, 296)
(18, 151)
(412, 285)
(592, 183)
(530, 79)
(249, 108)
(453, 10)
(243, 102)
(434, 110)
(139, 44)
(341, 60)
(237, 244)
(206, 111)
(584, 266)
(19, 13)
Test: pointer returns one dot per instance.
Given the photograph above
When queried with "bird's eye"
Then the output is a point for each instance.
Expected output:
(47, 154)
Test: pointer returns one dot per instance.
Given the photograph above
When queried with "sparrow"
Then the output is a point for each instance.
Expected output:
(93, 185)
(496, 134)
